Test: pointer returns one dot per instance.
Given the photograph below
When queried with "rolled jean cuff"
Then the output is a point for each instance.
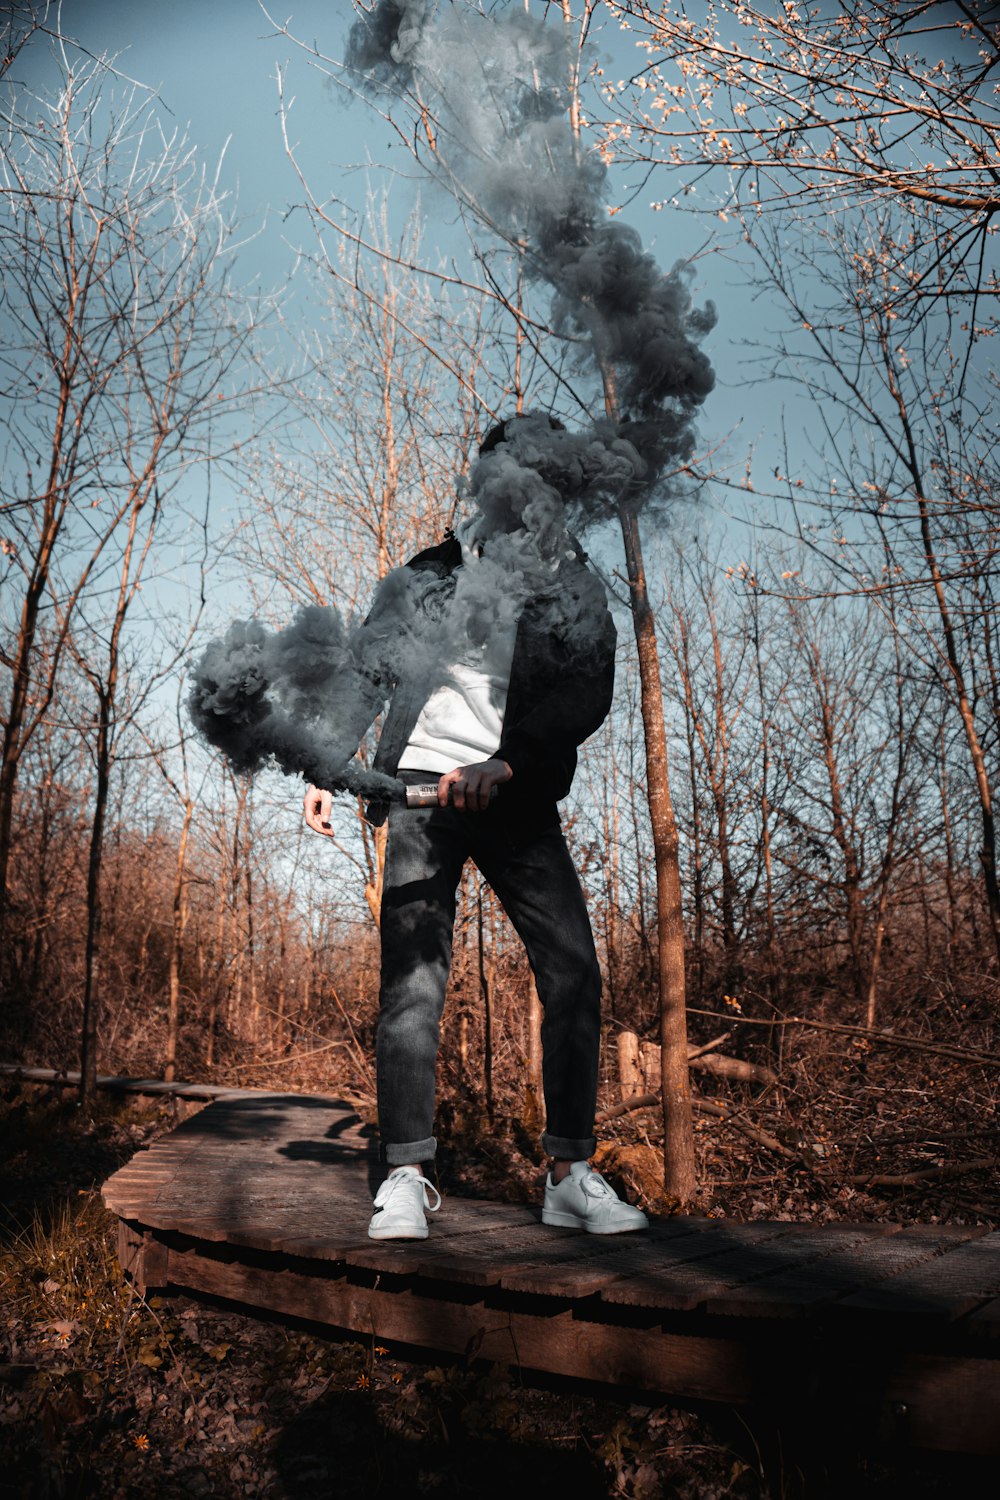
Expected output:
(409, 1153)
(564, 1149)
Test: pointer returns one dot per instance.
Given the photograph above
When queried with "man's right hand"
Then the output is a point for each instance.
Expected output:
(317, 808)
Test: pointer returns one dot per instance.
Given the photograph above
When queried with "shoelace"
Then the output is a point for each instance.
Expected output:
(595, 1186)
(391, 1184)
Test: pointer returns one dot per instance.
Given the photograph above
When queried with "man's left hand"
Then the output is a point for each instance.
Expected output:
(470, 786)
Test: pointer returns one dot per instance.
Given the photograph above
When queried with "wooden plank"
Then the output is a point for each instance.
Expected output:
(151, 1267)
(708, 1283)
(733, 1251)
(576, 1277)
(945, 1288)
(129, 1248)
(600, 1259)
(146, 1171)
(472, 1260)
(485, 1260)
(741, 1253)
(799, 1288)
(465, 1230)
(242, 1118)
(269, 1214)
(467, 1235)
(939, 1401)
(526, 1245)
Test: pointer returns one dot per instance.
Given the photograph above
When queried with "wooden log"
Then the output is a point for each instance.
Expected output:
(629, 1066)
(715, 1062)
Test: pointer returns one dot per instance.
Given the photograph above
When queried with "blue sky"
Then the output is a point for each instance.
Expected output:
(213, 66)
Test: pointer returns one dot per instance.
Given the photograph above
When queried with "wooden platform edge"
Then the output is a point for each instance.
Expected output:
(884, 1394)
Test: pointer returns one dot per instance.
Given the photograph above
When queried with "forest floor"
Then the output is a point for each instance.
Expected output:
(103, 1392)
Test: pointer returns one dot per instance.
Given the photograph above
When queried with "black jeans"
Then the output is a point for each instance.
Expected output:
(535, 880)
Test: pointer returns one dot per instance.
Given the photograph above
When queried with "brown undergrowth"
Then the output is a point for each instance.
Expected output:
(103, 1392)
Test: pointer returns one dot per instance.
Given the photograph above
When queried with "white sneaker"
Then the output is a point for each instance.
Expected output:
(400, 1204)
(583, 1200)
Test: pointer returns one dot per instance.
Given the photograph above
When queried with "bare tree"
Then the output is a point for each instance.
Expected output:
(886, 114)
(383, 427)
(809, 110)
(120, 341)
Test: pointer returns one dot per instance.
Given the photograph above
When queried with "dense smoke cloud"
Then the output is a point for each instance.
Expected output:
(380, 47)
(289, 696)
(496, 87)
(303, 697)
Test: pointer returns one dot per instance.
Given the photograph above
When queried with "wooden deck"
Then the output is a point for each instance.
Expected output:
(264, 1199)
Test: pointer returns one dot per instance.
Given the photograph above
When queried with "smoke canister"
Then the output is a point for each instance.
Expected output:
(425, 794)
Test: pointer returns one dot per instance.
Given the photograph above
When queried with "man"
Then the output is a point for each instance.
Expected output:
(498, 650)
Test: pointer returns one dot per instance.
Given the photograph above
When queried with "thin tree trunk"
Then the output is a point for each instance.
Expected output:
(486, 990)
(251, 954)
(949, 851)
(219, 976)
(612, 927)
(282, 999)
(697, 861)
(49, 525)
(92, 953)
(180, 912)
(988, 846)
(765, 814)
(679, 1180)
(533, 1083)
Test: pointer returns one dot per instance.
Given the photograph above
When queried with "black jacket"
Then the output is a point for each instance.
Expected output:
(561, 683)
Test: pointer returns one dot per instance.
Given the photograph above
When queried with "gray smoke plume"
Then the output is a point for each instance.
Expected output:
(289, 696)
(303, 697)
(379, 45)
(496, 86)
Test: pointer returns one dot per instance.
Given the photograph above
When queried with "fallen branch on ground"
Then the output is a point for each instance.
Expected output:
(926, 1174)
(639, 1062)
(753, 1132)
(627, 1106)
(717, 1041)
(883, 1038)
(293, 1057)
(705, 1107)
